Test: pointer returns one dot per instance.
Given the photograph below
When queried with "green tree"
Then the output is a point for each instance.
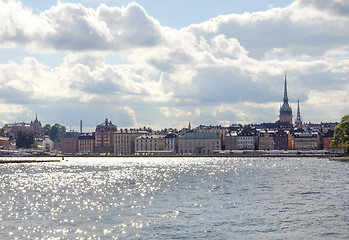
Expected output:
(47, 129)
(57, 132)
(2, 132)
(25, 139)
(341, 134)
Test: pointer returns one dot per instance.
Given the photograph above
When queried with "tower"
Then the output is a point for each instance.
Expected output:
(298, 121)
(285, 110)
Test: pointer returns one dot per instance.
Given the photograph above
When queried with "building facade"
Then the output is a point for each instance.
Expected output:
(247, 139)
(214, 129)
(306, 141)
(231, 141)
(70, 143)
(86, 143)
(327, 139)
(266, 140)
(281, 140)
(124, 141)
(171, 143)
(104, 137)
(199, 143)
(149, 144)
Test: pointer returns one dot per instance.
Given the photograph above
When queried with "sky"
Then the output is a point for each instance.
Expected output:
(163, 64)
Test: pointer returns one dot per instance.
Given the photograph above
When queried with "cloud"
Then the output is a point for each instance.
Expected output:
(73, 27)
(304, 28)
(227, 69)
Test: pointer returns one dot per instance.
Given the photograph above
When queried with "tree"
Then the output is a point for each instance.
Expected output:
(25, 139)
(57, 132)
(47, 129)
(341, 134)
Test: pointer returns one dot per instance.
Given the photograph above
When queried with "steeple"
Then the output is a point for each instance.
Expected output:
(285, 90)
(298, 120)
(285, 109)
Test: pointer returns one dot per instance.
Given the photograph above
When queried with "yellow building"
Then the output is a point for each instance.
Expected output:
(69, 143)
(150, 144)
(86, 143)
(199, 143)
(266, 140)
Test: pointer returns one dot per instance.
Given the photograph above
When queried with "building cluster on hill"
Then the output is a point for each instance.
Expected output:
(107, 139)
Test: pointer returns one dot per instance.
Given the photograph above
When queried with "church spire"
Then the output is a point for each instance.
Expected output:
(298, 120)
(285, 110)
(285, 91)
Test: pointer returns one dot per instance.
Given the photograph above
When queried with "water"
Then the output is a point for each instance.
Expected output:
(175, 198)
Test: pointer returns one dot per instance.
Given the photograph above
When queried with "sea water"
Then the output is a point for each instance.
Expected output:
(175, 198)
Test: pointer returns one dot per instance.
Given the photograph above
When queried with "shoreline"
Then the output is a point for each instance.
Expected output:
(63, 158)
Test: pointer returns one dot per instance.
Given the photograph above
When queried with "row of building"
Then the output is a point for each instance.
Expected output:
(202, 140)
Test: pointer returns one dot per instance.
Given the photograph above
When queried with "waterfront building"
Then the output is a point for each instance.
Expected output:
(104, 137)
(150, 144)
(327, 139)
(285, 110)
(231, 141)
(307, 140)
(247, 139)
(281, 140)
(215, 129)
(70, 143)
(171, 143)
(125, 141)
(266, 140)
(86, 143)
(197, 143)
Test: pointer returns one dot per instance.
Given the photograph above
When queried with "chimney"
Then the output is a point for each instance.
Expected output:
(80, 126)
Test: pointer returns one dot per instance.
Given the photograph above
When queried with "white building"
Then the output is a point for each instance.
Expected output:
(306, 141)
(124, 141)
(150, 144)
(247, 139)
(171, 143)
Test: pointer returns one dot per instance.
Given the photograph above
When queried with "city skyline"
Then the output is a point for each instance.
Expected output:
(147, 64)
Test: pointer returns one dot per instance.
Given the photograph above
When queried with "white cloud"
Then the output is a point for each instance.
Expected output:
(227, 69)
(73, 27)
(301, 29)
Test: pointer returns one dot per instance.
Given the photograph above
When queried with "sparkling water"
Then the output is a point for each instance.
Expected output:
(175, 198)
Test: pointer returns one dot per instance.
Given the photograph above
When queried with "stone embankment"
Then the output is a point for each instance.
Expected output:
(340, 159)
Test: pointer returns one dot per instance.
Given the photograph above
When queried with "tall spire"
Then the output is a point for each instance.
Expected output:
(285, 91)
(298, 120)
(285, 111)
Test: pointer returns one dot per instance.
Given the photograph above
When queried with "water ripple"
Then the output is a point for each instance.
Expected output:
(175, 198)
